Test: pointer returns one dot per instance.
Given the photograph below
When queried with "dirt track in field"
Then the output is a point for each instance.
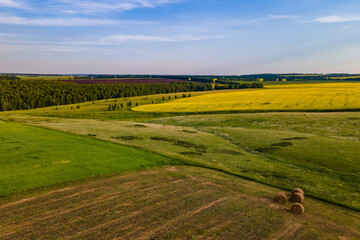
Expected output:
(166, 203)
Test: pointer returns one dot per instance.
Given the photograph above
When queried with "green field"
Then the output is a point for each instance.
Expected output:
(32, 157)
(273, 151)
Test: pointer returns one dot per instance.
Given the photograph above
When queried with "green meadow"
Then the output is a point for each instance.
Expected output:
(33, 157)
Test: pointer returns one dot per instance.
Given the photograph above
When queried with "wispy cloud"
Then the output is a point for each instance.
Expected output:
(14, 20)
(107, 41)
(8, 34)
(262, 19)
(42, 48)
(275, 17)
(81, 6)
(13, 4)
(336, 19)
(150, 38)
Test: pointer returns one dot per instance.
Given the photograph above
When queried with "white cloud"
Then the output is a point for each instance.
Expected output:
(13, 4)
(14, 20)
(81, 6)
(258, 20)
(8, 3)
(149, 38)
(275, 17)
(336, 19)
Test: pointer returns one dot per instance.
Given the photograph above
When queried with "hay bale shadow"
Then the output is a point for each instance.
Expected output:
(128, 138)
(282, 144)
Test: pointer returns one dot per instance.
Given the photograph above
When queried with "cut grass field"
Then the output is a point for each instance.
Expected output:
(294, 97)
(32, 157)
(171, 203)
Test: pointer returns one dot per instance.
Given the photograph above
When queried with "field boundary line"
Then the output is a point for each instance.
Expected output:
(255, 111)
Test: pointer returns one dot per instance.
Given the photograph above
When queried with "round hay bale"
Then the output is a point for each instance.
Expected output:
(297, 209)
(281, 198)
(297, 198)
(297, 190)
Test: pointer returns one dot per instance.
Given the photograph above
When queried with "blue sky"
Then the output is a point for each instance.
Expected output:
(179, 36)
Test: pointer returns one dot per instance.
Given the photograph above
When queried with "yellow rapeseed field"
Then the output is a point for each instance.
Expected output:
(323, 96)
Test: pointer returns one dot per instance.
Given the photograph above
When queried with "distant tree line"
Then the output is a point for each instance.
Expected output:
(29, 94)
(220, 79)
(238, 85)
(9, 77)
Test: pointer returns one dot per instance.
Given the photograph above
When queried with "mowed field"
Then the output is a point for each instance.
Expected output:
(298, 97)
(171, 203)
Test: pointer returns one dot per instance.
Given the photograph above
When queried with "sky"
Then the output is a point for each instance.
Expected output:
(225, 37)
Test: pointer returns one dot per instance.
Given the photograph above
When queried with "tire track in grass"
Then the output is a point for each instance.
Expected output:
(288, 229)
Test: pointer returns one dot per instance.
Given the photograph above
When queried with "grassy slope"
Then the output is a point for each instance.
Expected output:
(32, 157)
(344, 125)
(305, 149)
(228, 153)
(325, 96)
(234, 154)
(171, 203)
(227, 149)
(325, 163)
